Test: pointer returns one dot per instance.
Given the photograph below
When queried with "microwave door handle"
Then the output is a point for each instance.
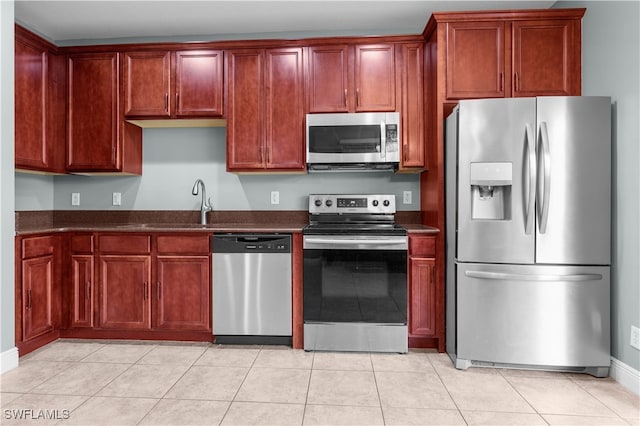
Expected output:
(383, 140)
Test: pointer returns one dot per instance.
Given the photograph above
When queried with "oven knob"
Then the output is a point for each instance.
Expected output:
(318, 203)
(328, 203)
(375, 203)
(386, 203)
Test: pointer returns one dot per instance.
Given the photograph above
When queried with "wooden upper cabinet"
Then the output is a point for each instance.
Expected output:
(244, 109)
(514, 57)
(147, 83)
(199, 83)
(475, 60)
(344, 78)
(375, 81)
(546, 57)
(410, 69)
(92, 132)
(98, 138)
(284, 109)
(327, 79)
(165, 84)
(265, 110)
(39, 104)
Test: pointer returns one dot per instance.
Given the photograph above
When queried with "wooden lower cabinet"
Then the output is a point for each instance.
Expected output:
(82, 292)
(124, 299)
(139, 286)
(37, 291)
(37, 298)
(183, 292)
(426, 295)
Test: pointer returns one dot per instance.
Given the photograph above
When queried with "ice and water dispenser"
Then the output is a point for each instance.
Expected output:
(491, 191)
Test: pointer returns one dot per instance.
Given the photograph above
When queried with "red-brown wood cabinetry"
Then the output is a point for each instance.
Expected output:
(265, 110)
(351, 78)
(82, 281)
(426, 294)
(37, 291)
(512, 57)
(164, 84)
(39, 104)
(98, 138)
(183, 282)
(410, 71)
(124, 280)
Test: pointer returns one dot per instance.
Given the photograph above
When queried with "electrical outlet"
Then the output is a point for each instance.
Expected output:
(406, 197)
(117, 199)
(275, 197)
(75, 198)
(635, 337)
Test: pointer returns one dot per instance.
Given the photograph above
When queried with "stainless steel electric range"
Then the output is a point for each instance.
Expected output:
(355, 275)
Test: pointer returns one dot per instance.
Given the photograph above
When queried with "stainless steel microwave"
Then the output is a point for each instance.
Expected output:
(353, 141)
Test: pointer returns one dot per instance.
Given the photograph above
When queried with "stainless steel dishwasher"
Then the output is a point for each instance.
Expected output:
(252, 288)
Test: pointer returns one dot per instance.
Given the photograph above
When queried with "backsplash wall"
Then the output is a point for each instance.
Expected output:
(172, 161)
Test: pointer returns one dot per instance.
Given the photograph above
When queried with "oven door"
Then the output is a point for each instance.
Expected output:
(355, 293)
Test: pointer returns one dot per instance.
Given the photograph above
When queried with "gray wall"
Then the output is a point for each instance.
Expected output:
(611, 66)
(7, 221)
(174, 158)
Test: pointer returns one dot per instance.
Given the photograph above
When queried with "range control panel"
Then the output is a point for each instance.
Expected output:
(352, 203)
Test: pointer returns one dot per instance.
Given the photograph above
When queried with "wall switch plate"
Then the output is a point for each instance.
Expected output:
(117, 199)
(406, 197)
(75, 198)
(275, 197)
(635, 337)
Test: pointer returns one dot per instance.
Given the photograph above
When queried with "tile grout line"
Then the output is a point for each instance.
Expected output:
(240, 387)
(464, 419)
(522, 396)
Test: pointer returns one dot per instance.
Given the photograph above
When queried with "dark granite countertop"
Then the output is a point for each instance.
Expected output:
(180, 221)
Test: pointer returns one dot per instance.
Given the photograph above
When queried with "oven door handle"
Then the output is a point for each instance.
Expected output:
(355, 243)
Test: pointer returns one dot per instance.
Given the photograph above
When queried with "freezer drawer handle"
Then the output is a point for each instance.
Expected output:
(531, 184)
(483, 275)
(546, 163)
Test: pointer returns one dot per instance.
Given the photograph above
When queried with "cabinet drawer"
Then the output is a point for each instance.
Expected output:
(176, 244)
(37, 246)
(422, 246)
(124, 243)
(82, 243)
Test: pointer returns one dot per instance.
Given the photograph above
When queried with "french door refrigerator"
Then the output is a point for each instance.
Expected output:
(528, 233)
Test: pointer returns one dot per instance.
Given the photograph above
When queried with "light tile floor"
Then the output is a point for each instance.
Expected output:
(121, 383)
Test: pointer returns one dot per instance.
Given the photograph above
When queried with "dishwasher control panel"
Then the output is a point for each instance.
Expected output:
(252, 243)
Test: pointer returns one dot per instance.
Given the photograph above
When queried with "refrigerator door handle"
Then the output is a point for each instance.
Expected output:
(546, 172)
(483, 275)
(530, 186)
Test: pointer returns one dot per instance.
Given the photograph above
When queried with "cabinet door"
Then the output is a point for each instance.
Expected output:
(245, 135)
(147, 83)
(93, 121)
(183, 292)
(82, 292)
(199, 83)
(327, 79)
(375, 81)
(124, 297)
(37, 296)
(422, 316)
(284, 110)
(30, 105)
(411, 72)
(475, 60)
(546, 58)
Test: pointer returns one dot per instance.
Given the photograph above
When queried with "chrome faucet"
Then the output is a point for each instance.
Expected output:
(206, 205)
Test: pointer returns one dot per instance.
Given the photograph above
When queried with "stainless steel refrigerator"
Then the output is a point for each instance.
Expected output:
(528, 204)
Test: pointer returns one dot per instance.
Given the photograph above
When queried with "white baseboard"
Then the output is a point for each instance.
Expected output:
(626, 375)
(8, 360)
